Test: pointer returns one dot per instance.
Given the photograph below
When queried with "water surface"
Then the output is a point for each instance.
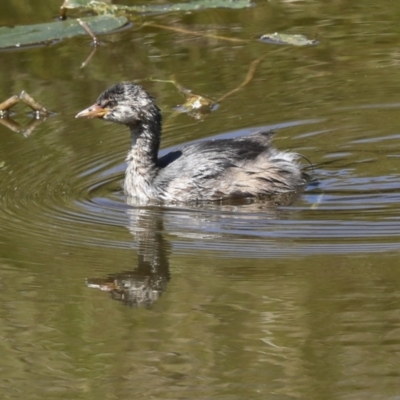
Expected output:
(225, 301)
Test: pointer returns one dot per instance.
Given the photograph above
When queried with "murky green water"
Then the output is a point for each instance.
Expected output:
(235, 301)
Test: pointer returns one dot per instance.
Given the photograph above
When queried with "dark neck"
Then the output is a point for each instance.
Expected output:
(142, 158)
(145, 137)
(145, 141)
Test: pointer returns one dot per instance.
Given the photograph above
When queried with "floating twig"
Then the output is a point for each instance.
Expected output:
(40, 113)
(39, 110)
(6, 105)
(198, 106)
(89, 31)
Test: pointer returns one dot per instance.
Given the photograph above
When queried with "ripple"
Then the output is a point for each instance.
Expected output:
(346, 210)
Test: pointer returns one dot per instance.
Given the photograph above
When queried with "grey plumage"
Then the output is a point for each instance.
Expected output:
(247, 166)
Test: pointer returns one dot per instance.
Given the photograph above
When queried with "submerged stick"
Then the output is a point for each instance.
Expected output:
(63, 11)
(89, 57)
(195, 33)
(249, 77)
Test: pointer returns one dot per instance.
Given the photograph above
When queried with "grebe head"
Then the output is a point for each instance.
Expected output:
(123, 103)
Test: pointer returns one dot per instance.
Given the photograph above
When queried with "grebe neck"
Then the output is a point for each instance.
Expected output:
(142, 158)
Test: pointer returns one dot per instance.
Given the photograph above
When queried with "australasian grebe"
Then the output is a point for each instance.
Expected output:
(247, 166)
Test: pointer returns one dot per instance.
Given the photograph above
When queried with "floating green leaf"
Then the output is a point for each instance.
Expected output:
(283, 38)
(26, 35)
(103, 8)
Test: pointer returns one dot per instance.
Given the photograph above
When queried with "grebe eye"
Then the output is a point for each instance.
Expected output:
(108, 104)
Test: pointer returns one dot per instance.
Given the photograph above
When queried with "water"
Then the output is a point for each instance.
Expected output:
(215, 301)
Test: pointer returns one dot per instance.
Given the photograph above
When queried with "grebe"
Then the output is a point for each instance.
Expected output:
(211, 170)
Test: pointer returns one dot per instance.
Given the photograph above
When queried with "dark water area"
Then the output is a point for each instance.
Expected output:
(101, 298)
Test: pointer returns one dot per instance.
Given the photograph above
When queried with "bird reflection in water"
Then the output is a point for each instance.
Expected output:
(142, 286)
